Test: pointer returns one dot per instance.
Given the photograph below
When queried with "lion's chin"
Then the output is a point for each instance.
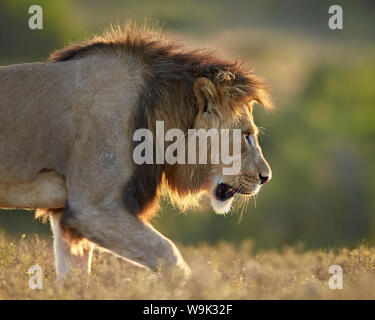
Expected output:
(221, 197)
(221, 207)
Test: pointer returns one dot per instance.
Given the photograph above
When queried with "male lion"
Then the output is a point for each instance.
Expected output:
(66, 129)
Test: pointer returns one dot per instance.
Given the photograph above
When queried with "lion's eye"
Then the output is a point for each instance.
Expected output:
(248, 138)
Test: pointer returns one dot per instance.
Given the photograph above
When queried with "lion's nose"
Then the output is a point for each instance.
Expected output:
(263, 179)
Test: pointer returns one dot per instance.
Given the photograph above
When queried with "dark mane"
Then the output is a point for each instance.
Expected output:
(168, 92)
(171, 60)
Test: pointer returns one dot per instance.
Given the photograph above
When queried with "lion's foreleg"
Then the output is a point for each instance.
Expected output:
(126, 236)
(66, 259)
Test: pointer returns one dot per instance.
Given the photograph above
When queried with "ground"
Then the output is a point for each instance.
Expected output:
(219, 272)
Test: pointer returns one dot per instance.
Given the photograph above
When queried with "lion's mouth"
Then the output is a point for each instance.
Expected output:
(225, 191)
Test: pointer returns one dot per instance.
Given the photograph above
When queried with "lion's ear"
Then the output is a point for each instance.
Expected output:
(205, 92)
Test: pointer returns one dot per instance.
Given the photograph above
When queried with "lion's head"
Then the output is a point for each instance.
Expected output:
(224, 103)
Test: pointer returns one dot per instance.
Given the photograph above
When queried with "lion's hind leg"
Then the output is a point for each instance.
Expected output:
(72, 252)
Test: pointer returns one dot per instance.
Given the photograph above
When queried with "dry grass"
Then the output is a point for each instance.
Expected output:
(220, 272)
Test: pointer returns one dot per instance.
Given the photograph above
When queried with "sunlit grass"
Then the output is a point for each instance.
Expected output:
(219, 272)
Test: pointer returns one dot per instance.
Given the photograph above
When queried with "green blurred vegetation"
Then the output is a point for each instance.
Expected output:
(319, 140)
(19, 43)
